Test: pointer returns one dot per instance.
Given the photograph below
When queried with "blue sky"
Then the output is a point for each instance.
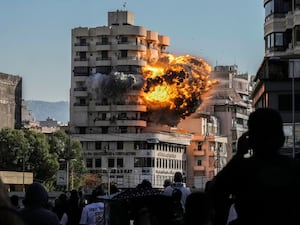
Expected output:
(35, 37)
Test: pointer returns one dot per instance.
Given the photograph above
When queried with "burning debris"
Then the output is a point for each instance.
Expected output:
(174, 86)
(171, 88)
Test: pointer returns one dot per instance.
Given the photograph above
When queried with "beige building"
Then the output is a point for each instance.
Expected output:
(107, 114)
(207, 154)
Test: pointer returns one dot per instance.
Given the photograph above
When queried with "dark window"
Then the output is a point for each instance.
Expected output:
(123, 129)
(89, 163)
(297, 34)
(98, 162)
(81, 70)
(200, 146)
(285, 102)
(105, 40)
(104, 54)
(120, 145)
(82, 130)
(124, 39)
(111, 163)
(297, 4)
(104, 130)
(98, 145)
(103, 69)
(199, 162)
(120, 162)
(124, 53)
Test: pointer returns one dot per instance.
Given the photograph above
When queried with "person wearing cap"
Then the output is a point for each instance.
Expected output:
(93, 213)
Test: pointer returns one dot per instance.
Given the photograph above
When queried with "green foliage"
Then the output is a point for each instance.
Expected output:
(41, 155)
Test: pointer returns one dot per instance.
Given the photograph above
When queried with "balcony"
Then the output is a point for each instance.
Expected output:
(103, 46)
(81, 47)
(198, 153)
(103, 61)
(199, 168)
(131, 46)
(133, 60)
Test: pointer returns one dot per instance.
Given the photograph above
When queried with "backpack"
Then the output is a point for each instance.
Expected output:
(177, 209)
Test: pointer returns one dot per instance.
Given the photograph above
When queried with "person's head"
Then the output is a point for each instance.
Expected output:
(14, 199)
(178, 177)
(96, 193)
(265, 130)
(36, 195)
(198, 209)
(167, 183)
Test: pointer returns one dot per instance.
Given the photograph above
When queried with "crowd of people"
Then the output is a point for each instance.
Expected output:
(261, 188)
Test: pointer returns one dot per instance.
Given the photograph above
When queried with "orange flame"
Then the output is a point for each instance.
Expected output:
(176, 84)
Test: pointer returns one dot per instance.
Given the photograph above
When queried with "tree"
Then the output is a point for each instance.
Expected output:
(13, 148)
(29, 151)
(70, 151)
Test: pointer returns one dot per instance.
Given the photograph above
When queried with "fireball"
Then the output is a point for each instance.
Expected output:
(174, 85)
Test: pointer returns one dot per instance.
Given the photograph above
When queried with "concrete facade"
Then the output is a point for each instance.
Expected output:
(278, 78)
(10, 101)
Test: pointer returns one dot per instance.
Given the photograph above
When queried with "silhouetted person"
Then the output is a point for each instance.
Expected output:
(14, 199)
(35, 211)
(266, 185)
(73, 208)
(8, 213)
(198, 209)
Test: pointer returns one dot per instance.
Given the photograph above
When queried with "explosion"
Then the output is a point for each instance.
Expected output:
(173, 87)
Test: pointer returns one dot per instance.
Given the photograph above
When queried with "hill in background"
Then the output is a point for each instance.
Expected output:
(41, 110)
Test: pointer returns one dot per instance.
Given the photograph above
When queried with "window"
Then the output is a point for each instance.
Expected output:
(111, 163)
(278, 39)
(124, 39)
(124, 54)
(123, 129)
(104, 54)
(285, 102)
(269, 9)
(120, 145)
(98, 145)
(98, 162)
(89, 163)
(199, 162)
(200, 146)
(120, 163)
(297, 35)
(297, 4)
(81, 130)
(104, 40)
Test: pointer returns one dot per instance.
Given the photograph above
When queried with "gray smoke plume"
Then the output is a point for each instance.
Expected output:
(112, 85)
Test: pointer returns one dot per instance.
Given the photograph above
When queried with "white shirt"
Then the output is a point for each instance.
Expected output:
(93, 214)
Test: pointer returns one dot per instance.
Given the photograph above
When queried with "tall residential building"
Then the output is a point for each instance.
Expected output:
(278, 77)
(107, 114)
(10, 101)
(230, 103)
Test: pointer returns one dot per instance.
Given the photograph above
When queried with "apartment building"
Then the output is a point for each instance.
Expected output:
(278, 77)
(107, 114)
(230, 103)
(207, 153)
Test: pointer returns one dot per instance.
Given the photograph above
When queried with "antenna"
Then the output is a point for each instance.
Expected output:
(124, 5)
